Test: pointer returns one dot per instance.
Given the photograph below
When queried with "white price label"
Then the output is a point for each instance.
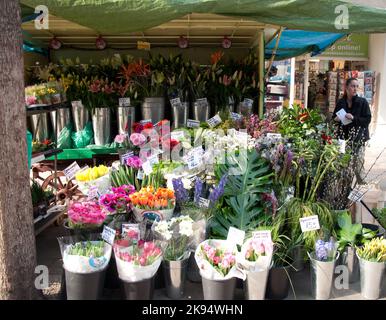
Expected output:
(126, 156)
(194, 161)
(236, 236)
(310, 223)
(145, 121)
(274, 136)
(263, 235)
(193, 123)
(108, 235)
(248, 102)
(203, 102)
(236, 116)
(93, 193)
(176, 102)
(203, 203)
(342, 145)
(140, 175)
(147, 167)
(356, 195)
(71, 170)
(131, 231)
(177, 135)
(124, 102)
(216, 120)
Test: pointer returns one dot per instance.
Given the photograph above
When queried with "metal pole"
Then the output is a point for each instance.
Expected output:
(306, 80)
(261, 74)
(292, 83)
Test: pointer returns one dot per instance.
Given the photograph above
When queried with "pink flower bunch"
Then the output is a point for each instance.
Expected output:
(257, 127)
(140, 254)
(120, 138)
(137, 139)
(85, 213)
(134, 162)
(30, 100)
(118, 201)
(220, 259)
(257, 248)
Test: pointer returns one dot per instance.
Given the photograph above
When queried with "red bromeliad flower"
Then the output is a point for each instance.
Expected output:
(327, 138)
(303, 117)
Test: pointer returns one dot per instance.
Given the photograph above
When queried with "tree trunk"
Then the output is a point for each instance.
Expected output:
(17, 240)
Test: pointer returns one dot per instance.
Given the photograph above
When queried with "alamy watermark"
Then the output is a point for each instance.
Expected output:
(342, 20)
(42, 20)
(42, 280)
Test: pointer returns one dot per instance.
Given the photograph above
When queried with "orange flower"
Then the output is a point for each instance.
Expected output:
(216, 57)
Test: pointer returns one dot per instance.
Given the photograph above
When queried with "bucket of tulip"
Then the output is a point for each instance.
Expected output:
(153, 204)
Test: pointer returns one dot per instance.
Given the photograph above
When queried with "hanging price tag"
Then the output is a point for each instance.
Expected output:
(93, 193)
(356, 195)
(236, 116)
(127, 156)
(216, 120)
(108, 235)
(310, 223)
(131, 231)
(176, 102)
(263, 235)
(71, 170)
(193, 123)
(203, 203)
(147, 168)
(124, 102)
(143, 122)
(140, 175)
(236, 236)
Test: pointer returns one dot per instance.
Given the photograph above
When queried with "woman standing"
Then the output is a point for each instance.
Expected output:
(357, 112)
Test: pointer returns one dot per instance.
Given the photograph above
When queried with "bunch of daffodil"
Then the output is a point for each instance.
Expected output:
(92, 173)
(374, 250)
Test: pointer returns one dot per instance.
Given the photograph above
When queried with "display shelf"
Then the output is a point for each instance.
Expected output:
(44, 108)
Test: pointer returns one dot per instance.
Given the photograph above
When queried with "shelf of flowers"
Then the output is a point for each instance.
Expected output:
(174, 196)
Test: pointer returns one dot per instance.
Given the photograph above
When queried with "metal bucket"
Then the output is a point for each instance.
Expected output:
(218, 289)
(175, 275)
(201, 111)
(80, 115)
(180, 115)
(39, 127)
(371, 278)
(322, 277)
(85, 286)
(153, 108)
(255, 285)
(61, 118)
(140, 290)
(350, 260)
(101, 122)
(125, 119)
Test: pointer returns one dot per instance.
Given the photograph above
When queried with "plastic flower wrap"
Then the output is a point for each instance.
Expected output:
(256, 254)
(216, 260)
(137, 260)
(373, 250)
(178, 234)
(118, 201)
(96, 177)
(84, 256)
(86, 214)
(325, 250)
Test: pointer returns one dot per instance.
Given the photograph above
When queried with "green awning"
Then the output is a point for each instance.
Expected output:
(113, 16)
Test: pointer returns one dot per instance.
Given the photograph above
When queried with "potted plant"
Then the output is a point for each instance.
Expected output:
(255, 259)
(372, 261)
(137, 264)
(85, 264)
(177, 233)
(153, 204)
(217, 262)
(323, 261)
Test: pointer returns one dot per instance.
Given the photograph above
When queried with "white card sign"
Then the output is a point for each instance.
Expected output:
(216, 120)
(193, 123)
(71, 170)
(177, 135)
(263, 235)
(93, 193)
(108, 235)
(356, 195)
(176, 102)
(124, 102)
(126, 156)
(236, 236)
(342, 117)
(147, 168)
(194, 161)
(131, 230)
(203, 203)
(310, 223)
(145, 121)
(342, 145)
(236, 116)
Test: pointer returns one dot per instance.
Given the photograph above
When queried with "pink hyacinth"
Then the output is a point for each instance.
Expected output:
(137, 139)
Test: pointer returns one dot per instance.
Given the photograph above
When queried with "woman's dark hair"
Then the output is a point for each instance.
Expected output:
(348, 81)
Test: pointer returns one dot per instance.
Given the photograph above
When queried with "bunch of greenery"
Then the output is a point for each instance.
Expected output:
(87, 249)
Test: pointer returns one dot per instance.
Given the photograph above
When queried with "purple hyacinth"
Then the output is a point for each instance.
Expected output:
(180, 192)
(218, 191)
(325, 251)
(198, 185)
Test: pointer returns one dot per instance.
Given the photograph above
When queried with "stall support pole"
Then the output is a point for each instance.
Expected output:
(306, 79)
(292, 83)
(261, 74)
